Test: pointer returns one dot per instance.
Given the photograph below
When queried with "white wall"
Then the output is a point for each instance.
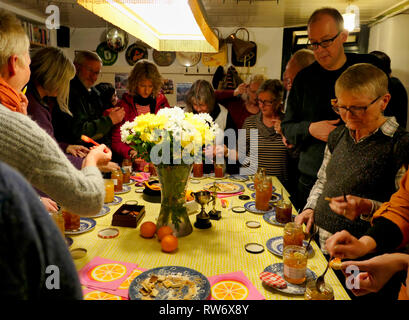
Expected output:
(269, 51)
(391, 37)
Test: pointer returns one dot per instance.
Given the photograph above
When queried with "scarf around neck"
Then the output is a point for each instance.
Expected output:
(9, 97)
(263, 130)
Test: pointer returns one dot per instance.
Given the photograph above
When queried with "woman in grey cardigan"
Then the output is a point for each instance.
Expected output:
(27, 147)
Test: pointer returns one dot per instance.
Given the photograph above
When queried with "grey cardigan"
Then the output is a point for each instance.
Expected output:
(31, 151)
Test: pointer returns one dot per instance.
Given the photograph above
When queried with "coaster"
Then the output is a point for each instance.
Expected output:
(254, 248)
(78, 253)
(238, 209)
(253, 224)
(108, 233)
(132, 202)
(194, 181)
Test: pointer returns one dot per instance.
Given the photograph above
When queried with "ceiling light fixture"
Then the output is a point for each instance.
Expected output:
(351, 17)
(166, 25)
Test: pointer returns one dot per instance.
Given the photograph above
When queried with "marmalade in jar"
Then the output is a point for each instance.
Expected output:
(312, 293)
(295, 264)
(117, 177)
(293, 234)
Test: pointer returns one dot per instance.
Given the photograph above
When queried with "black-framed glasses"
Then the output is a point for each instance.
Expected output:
(267, 103)
(355, 111)
(323, 43)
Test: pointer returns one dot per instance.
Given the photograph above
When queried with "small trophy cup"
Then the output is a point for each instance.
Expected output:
(214, 214)
(202, 218)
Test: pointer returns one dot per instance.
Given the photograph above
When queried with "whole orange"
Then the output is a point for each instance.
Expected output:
(169, 243)
(148, 229)
(163, 231)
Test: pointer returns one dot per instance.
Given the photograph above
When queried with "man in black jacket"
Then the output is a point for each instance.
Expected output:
(309, 117)
(86, 106)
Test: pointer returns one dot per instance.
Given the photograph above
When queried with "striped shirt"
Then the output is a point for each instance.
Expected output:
(271, 153)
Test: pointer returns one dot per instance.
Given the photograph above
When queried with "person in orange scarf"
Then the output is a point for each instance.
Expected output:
(27, 147)
(389, 231)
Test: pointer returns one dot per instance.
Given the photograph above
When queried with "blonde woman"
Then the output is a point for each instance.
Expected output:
(143, 96)
(51, 72)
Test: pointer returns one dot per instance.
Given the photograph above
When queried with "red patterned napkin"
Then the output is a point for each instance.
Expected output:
(225, 195)
(233, 285)
(273, 280)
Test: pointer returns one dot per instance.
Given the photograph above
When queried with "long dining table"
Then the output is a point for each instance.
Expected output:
(214, 251)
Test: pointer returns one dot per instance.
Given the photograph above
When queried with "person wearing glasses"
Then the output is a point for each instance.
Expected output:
(363, 159)
(86, 106)
(309, 117)
(272, 153)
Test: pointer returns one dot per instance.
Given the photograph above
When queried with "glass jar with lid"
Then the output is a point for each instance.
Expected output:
(311, 292)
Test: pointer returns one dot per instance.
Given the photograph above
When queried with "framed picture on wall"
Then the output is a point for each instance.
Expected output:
(121, 83)
(167, 86)
(181, 91)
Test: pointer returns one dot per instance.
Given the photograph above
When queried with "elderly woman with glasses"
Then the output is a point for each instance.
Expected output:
(272, 153)
(363, 158)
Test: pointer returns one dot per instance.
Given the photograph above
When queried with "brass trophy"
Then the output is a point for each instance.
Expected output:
(214, 214)
(202, 218)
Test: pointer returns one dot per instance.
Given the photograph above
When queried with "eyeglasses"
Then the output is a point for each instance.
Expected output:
(355, 111)
(267, 103)
(92, 71)
(323, 43)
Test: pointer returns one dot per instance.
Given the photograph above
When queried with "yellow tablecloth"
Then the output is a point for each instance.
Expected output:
(213, 251)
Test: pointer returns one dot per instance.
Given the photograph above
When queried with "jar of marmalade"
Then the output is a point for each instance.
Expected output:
(293, 234)
(295, 264)
(312, 293)
(117, 177)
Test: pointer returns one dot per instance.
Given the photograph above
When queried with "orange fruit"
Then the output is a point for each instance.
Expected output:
(108, 272)
(148, 229)
(99, 295)
(229, 290)
(169, 243)
(164, 231)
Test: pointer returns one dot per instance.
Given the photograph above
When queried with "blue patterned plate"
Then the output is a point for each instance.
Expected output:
(270, 217)
(198, 279)
(251, 207)
(275, 245)
(68, 241)
(117, 200)
(250, 186)
(125, 189)
(274, 196)
(86, 224)
(278, 268)
(105, 209)
(238, 177)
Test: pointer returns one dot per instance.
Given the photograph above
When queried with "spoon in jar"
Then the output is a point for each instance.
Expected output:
(320, 280)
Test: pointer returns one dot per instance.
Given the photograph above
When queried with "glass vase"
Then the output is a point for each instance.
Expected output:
(173, 212)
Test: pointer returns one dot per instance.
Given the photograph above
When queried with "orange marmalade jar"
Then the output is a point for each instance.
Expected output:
(293, 234)
(295, 264)
(117, 177)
